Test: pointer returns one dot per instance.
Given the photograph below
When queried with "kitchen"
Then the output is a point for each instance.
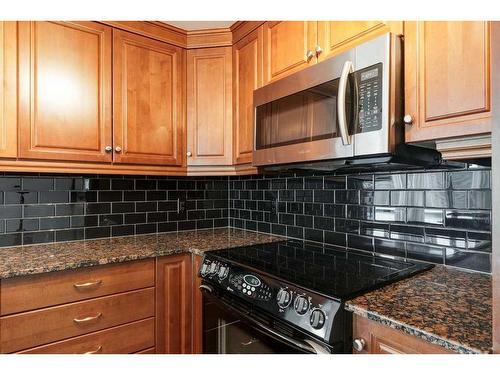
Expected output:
(249, 187)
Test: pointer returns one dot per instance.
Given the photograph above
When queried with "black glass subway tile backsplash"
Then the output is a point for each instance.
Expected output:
(42, 208)
(434, 216)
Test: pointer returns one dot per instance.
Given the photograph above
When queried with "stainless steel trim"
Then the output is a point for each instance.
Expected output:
(344, 132)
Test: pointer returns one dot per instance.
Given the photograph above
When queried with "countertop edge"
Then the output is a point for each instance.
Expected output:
(413, 331)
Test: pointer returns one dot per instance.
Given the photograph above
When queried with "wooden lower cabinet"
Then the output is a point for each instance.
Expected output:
(128, 338)
(173, 304)
(380, 339)
(197, 315)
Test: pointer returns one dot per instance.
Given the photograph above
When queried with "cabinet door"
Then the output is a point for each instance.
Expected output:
(248, 69)
(64, 91)
(447, 79)
(335, 37)
(209, 99)
(173, 304)
(148, 87)
(8, 87)
(285, 47)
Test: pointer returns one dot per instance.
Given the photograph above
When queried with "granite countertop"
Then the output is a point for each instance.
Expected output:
(444, 306)
(36, 259)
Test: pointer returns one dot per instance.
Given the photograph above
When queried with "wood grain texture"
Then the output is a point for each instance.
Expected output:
(125, 339)
(148, 87)
(64, 91)
(447, 79)
(335, 37)
(248, 70)
(380, 339)
(209, 106)
(197, 315)
(285, 46)
(38, 291)
(8, 89)
(39, 327)
(173, 304)
(495, 172)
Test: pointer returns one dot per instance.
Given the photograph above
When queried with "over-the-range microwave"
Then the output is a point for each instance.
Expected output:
(345, 110)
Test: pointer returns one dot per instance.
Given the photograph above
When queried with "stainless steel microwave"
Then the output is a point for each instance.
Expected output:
(348, 106)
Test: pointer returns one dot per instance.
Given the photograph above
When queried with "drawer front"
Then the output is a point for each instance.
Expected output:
(148, 351)
(38, 291)
(125, 339)
(27, 330)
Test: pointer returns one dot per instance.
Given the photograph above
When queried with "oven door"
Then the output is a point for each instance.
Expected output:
(229, 328)
(307, 116)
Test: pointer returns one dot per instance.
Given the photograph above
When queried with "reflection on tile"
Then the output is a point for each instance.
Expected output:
(469, 260)
(469, 179)
(381, 198)
(438, 199)
(393, 181)
(428, 253)
(374, 229)
(407, 233)
(395, 248)
(479, 241)
(360, 212)
(359, 242)
(366, 197)
(469, 220)
(360, 182)
(425, 216)
(348, 226)
(407, 198)
(480, 199)
(394, 214)
(446, 237)
(429, 180)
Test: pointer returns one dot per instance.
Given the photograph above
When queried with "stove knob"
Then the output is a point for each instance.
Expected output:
(214, 267)
(317, 319)
(284, 298)
(301, 305)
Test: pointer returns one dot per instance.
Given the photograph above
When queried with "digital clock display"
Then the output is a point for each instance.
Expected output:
(369, 74)
(251, 280)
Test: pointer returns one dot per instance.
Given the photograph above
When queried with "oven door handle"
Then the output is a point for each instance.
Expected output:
(307, 345)
(344, 131)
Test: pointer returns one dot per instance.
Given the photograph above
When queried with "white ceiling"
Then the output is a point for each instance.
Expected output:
(200, 25)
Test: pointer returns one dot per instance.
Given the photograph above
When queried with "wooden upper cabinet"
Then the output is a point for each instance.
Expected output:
(64, 90)
(148, 105)
(247, 76)
(173, 304)
(337, 36)
(447, 79)
(286, 44)
(8, 89)
(209, 104)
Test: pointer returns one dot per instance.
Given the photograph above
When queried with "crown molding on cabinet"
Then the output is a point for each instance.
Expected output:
(188, 39)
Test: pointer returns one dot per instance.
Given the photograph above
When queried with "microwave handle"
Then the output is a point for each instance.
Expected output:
(344, 132)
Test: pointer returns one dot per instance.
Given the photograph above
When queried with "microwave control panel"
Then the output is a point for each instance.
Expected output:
(369, 82)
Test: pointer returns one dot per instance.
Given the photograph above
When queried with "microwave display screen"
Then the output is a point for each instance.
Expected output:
(370, 99)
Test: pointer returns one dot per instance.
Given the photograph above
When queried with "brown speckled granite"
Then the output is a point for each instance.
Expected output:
(444, 306)
(35, 259)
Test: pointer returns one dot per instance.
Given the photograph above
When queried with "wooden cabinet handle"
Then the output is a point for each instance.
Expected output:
(98, 350)
(87, 319)
(87, 285)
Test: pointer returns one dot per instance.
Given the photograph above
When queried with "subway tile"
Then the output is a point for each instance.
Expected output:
(360, 182)
(427, 253)
(167, 185)
(10, 184)
(366, 197)
(381, 198)
(121, 184)
(122, 207)
(37, 183)
(97, 232)
(97, 184)
(68, 184)
(374, 229)
(335, 238)
(84, 221)
(295, 232)
(407, 233)
(313, 209)
(167, 226)
(11, 239)
(41, 210)
(468, 219)
(54, 223)
(110, 219)
(294, 183)
(110, 196)
(334, 182)
(278, 183)
(468, 260)
(53, 197)
(389, 182)
(304, 221)
(186, 225)
(480, 199)
(348, 226)
(346, 196)
(480, 179)
(391, 214)
(122, 230)
(151, 185)
(312, 183)
(278, 229)
(304, 195)
(360, 212)
(446, 237)
(407, 198)
(334, 210)
(21, 225)
(325, 223)
(69, 235)
(390, 247)
(30, 238)
(359, 242)
(98, 208)
(427, 180)
(313, 235)
(134, 196)
(70, 209)
(83, 196)
(135, 218)
(20, 197)
(146, 206)
(425, 216)
(478, 241)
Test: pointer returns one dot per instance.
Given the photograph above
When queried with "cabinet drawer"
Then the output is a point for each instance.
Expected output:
(37, 291)
(30, 329)
(125, 339)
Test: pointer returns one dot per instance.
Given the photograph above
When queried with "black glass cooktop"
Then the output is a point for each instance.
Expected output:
(331, 271)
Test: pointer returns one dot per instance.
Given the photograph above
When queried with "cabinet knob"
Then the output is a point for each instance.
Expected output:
(408, 119)
(318, 50)
(118, 149)
(359, 344)
(189, 154)
(309, 55)
(108, 148)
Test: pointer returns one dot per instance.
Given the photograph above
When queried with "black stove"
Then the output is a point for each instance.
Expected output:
(297, 289)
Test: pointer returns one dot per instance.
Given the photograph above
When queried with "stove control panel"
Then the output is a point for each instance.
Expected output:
(309, 311)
